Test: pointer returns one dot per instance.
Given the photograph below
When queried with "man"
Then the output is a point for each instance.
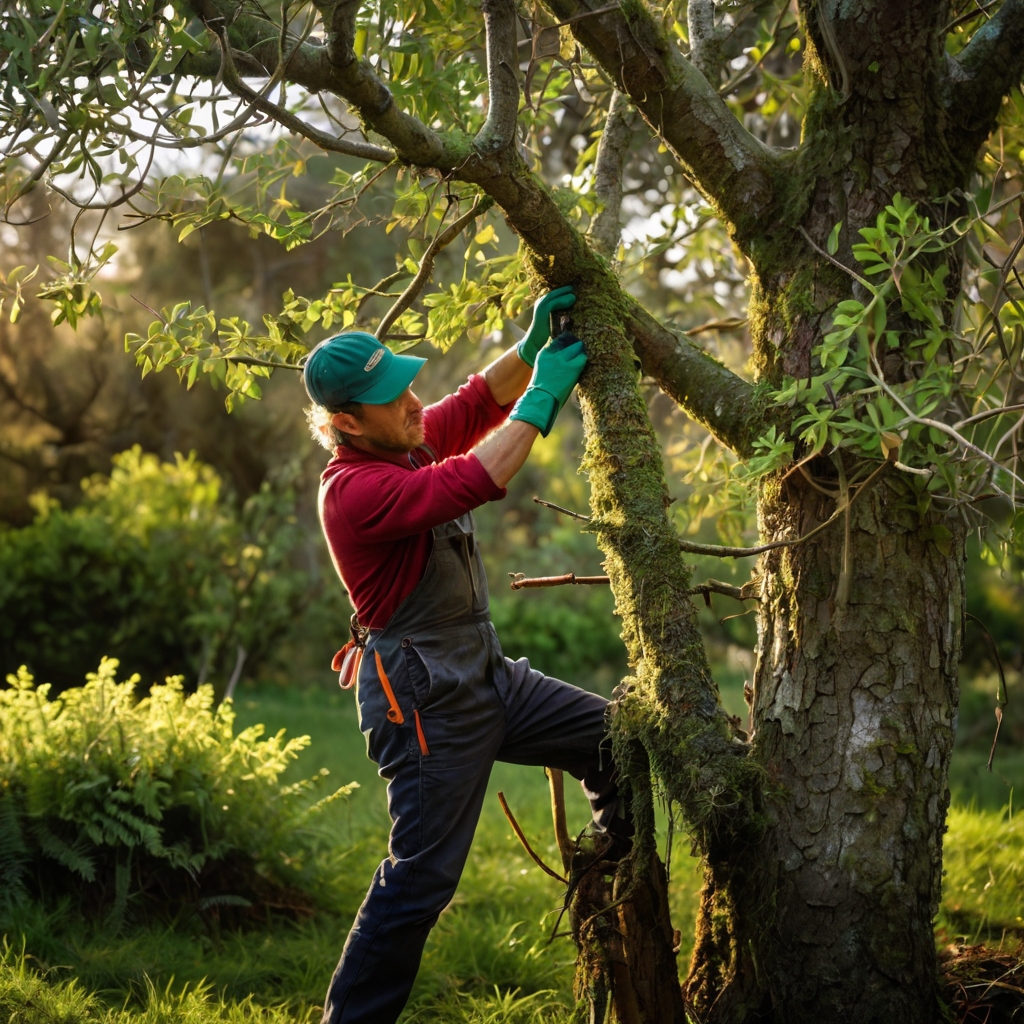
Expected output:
(438, 702)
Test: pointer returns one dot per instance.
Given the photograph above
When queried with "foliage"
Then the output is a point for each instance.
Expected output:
(984, 873)
(156, 803)
(156, 566)
(31, 996)
(850, 406)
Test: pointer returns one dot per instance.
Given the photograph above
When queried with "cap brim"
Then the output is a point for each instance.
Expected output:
(400, 374)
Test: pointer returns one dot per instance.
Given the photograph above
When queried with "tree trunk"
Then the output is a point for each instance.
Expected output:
(854, 715)
(859, 636)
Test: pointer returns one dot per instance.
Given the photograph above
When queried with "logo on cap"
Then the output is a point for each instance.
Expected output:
(374, 359)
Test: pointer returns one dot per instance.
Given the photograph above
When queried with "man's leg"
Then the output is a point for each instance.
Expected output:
(555, 724)
(435, 809)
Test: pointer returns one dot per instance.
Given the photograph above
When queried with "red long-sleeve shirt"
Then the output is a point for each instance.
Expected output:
(377, 512)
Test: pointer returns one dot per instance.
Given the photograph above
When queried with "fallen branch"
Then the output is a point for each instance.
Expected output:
(526, 845)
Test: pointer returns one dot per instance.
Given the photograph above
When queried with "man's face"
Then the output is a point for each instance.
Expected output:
(395, 428)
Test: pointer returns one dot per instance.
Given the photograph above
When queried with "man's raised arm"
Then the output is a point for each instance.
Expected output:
(509, 374)
(558, 367)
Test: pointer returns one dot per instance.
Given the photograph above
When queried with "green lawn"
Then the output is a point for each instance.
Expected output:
(490, 957)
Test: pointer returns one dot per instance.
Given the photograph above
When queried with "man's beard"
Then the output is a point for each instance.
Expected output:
(395, 442)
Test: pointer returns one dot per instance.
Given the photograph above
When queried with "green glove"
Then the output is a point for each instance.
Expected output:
(558, 367)
(539, 333)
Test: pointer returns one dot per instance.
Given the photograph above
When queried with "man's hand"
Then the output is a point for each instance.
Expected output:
(540, 327)
(558, 368)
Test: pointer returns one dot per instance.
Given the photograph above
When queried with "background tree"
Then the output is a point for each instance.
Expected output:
(881, 421)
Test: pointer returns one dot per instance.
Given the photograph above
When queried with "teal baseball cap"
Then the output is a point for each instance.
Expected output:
(356, 367)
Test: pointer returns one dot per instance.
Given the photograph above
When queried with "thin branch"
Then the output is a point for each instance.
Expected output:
(526, 843)
(842, 266)
(1001, 699)
(730, 323)
(944, 428)
(722, 551)
(255, 361)
(556, 783)
(362, 150)
(522, 582)
(121, 199)
(564, 511)
(426, 268)
(612, 150)
(499, 128)
(970, 16)
(987, 414)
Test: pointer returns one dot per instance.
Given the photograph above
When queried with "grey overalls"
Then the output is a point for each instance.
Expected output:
(461, 705)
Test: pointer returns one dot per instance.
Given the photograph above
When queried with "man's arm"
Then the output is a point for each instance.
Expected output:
(507, 376)
(503, 453)
(558, 367)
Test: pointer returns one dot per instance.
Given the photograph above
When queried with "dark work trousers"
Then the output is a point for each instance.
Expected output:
(444, 664)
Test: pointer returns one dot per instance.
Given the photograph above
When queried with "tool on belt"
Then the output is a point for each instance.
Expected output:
(347, 662)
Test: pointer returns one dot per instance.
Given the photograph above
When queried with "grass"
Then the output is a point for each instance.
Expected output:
(488, 959)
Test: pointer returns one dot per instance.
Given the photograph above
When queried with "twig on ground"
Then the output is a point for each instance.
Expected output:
(526, 844)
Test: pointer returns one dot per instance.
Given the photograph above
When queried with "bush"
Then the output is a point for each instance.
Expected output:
(154, 567)
(157, 803)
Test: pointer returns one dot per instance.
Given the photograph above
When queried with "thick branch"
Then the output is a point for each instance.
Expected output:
(728, 164)
(502, 78)
(612, 150)
(705, 389)
(985, 71)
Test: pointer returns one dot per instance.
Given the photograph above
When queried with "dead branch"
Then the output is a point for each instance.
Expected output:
(564, 511)
(526, 843)
(556, 783)
(520, 581)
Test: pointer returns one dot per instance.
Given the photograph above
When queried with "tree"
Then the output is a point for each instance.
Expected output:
(882, 420)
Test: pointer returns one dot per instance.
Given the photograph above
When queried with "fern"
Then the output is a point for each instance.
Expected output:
(14, 854)
(160, 794)
(73, 857)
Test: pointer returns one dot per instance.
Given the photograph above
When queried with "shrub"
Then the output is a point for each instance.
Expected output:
(157, 802)
(156, 567)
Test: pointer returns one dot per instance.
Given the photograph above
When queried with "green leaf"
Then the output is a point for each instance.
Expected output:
(833, 239)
